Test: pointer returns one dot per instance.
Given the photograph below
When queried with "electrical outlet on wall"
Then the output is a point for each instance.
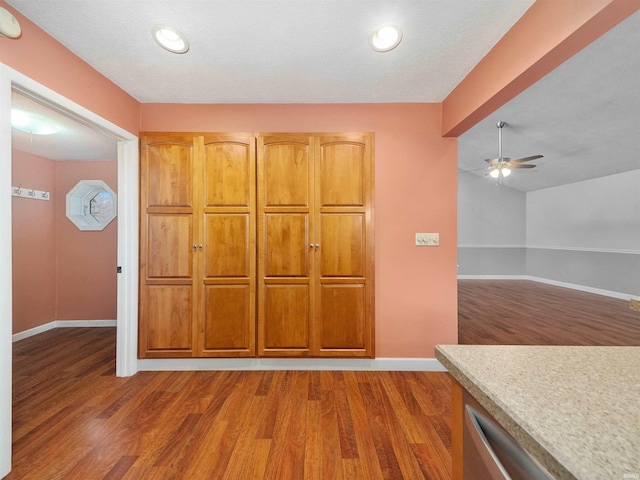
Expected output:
(427, 239)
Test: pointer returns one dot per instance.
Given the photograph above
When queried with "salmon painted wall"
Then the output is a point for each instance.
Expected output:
(59, 272)
(415, 191)
(40, 57)
(85, 260)
(34, 246)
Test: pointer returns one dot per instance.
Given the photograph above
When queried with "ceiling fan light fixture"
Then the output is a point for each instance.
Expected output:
(170, 39)
(499, 171)
(385, 38)
(501, 167)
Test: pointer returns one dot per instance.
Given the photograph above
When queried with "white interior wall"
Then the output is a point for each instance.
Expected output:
(491, 228)
(598, 214)
(489, 213)
(585, 234)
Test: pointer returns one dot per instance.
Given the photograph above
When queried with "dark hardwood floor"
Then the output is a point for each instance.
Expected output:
(73, 419)
(520, 312)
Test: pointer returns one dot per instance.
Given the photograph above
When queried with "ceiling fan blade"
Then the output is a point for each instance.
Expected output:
(473, 170)
(502, 165)
(519, 165)
(526, 159)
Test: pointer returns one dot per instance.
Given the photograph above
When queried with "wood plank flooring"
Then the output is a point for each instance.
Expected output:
(73, 419)
(520, 312)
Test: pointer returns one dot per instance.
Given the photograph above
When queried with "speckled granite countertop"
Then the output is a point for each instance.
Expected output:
(576, 409)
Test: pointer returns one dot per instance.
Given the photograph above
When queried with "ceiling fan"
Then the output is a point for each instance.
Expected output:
(502, 166)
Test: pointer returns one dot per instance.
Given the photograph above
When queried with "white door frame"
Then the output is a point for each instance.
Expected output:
(127, 310)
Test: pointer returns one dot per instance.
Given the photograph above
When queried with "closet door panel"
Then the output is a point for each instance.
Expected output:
(228, 245)
(170, 248)
(285, 268)
(226, 322)
(167, 263)
(287, 168)
(340, 170)
(344, 304)
(227, 319)
(287, 245)
(341, 323)
(342, 240)
(169, 320)
(229, 174)
(169, 175)
(286, 320)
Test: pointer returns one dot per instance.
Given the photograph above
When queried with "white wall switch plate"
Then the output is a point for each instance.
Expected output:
(427, 239)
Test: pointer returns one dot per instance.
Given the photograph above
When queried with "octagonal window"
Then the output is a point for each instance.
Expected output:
(91, 205)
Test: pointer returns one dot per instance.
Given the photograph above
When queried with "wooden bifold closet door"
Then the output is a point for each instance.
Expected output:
(315, 249)
(197, 245)
(256, 246)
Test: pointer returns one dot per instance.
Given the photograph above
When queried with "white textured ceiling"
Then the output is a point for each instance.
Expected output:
(279, 51)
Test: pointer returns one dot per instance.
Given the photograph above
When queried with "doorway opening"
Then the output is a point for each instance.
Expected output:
(62, 276)
(126, 150)
(127, 237)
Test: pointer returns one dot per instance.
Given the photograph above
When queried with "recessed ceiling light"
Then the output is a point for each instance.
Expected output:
(170, 39)
(28, 123)
(385, 38)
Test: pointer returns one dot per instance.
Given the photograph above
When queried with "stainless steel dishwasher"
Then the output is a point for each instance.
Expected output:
(490, 453)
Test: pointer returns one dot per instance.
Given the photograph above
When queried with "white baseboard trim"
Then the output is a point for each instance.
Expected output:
(61, 324)
(85, 323)
(586, 249)
(497, 247)
(550, 247)
(572, 286)
(376, 364)
(582, 288)
(493, 277)
(33, 331)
